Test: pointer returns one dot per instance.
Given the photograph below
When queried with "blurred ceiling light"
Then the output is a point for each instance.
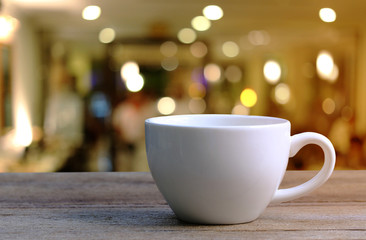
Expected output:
(272, 71)
(187, 35)
(282, 93)
(200, 23)
(230, 49)
(170, 64)
(259, 37)
(198, 49)
(212, 72)
(91, 12)
(197, 105)
(169, 48)
(129, 70)
(233, 73)
(248, 97)
(135, 83)
(8, 25)
(329, 106)
(213, 12)
(166, 105)
(325, 66)
(107, 35)
(327, 15)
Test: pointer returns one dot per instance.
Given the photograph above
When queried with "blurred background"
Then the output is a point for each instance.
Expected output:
(79, 77)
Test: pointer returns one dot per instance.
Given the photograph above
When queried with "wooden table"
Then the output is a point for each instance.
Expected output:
(129, 206)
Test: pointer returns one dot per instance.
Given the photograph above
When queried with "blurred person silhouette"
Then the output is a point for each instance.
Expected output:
(128, 121)
(64, 121)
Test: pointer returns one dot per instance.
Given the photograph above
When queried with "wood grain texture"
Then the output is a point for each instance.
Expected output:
(129, 206)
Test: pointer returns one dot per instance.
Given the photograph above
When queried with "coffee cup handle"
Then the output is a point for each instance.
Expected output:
(298, 141)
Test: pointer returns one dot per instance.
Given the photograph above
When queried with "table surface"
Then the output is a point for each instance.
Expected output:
(129, 206)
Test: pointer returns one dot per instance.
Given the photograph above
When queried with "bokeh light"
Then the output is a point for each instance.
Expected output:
(259, 37)
(135, 83)
(107, 35)
(198, 49)
(166, 105)
(325, 66)
(170, 64)
(282, 93)
(7, 27)
(329, 106)
(196, 90)
(272, 71)
(187, 35)
(233, 73)
(200, 23)
(212, 72)
(240, 110)
(91, 12)
(327, 15)
(230, 49)
(129, 70)
(213, 12)
(197, 105)
(248, 97)
(169, 48)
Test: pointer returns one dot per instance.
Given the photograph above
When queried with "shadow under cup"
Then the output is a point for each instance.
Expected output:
(223, 169)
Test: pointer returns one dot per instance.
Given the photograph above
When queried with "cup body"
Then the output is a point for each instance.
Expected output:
(217, 169)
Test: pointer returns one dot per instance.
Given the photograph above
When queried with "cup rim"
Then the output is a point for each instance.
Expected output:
(248, 121)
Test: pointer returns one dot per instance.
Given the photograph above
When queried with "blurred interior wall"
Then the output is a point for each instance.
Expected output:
(26, 72)
(360, 90)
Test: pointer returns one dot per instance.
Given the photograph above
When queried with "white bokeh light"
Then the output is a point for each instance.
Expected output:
(213, 12)
(135, 84)
(272, 71)
(166, 105)
(107, 35)
(91, 12)
(327, 15)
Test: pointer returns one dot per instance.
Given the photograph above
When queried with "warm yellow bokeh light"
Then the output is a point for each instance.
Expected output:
(135, 84)
(187, 35)
(272, 71)
(239, 109)
(329, 106)
(248, 97)
(259, 37)
(327, 15)
(91, 12)
(129, 70)
(169, 48)
(196, 90)
(213, 12)
(212, 72)
(233, 73)
(198, 49)
(23, 127)
(166, 105)
(201, 23)
(7, 27)
(197, 106)
(230, 49)
(107, 35)
(325, 66)
(170, 64)
(282, 93)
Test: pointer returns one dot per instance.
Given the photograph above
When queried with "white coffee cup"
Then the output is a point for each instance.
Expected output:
(226, 169)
